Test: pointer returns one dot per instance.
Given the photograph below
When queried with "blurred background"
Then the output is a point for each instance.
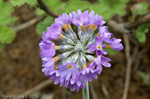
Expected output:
(22, 23)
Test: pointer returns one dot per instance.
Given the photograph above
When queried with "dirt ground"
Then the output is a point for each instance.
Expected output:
(20, 67)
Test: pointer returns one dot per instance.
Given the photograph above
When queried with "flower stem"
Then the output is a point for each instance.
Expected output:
(86, 91)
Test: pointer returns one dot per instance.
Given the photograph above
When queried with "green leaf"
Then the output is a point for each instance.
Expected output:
(142, 74)
(39, 12)
(142, 28)
(7, 34)
(41, 26)
(119, 8)
(17, 2)
(31, 2)
(74, 5)
(108, 8)
(1, 46)
(124, 1)
(141, 32)
(143, 8)
(105, 12)
(5, 11)
(141, 37)
(55, 5)
(21, 2)
(110, 51)
(145, 77)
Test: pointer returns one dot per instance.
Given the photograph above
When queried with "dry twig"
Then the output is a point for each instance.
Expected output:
(129, 63)
(27, 24)
(93, 92)
(117, 27)
(37, 87)
(46, 9)
(105, 91)
(64, 92)
(134, 54)
(139, 56)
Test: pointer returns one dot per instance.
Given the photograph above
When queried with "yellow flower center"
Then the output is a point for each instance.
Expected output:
(92, 26)
(108, 46)
(61, 35)
(84, 66)
(98, 34)
(70, 66)
(98, 47)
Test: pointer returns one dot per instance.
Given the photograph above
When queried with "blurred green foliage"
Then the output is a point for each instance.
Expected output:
(67, 7)
(39, 12)
(74, 5)
(5, 14)
(145, 77)
(7, 34)
(1, 46)
(138, 9)
(141, 32)
(108, 8)
(21, 2)
(55, 5)
(41, 26)
(143, 8)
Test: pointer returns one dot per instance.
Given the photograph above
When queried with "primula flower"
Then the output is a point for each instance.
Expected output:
(98, 46)
(75, 83)
(101, 60)
(115, 44)
(54, 31)
(104, 34)
(68, 70)
(73, 58)
(48, 49)
(88, 73)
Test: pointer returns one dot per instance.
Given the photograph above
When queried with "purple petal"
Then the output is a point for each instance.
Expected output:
(92, 47)
(72, 81)
(68, 76)
(98, 40)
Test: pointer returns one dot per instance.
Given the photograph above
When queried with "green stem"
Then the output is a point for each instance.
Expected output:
(86, 91)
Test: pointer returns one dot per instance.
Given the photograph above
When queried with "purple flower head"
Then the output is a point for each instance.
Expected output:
(66, 52)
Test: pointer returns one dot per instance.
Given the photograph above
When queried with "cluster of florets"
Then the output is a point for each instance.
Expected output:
(79, 56)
